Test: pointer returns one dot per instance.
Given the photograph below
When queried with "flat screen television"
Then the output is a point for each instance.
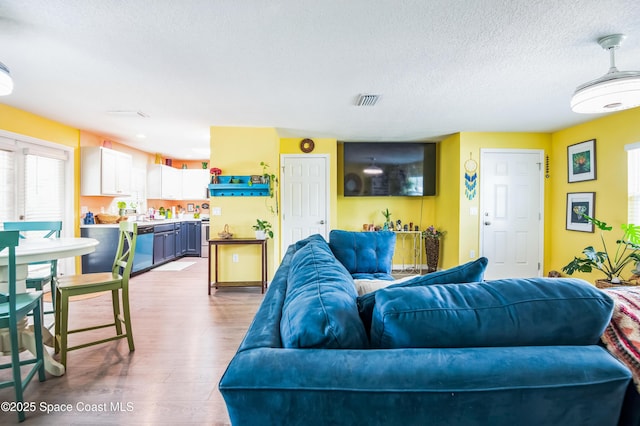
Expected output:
(380, 169)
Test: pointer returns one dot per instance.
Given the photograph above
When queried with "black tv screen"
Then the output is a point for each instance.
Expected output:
(380, 169)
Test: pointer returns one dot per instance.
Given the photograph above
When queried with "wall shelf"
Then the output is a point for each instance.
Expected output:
(243, 188)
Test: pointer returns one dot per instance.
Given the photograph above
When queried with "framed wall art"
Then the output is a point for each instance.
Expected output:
(582, 161)
(579, 203)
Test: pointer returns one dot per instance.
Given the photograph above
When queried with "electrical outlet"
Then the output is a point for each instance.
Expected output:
(234, 258)
(216, 211)
(472, 254)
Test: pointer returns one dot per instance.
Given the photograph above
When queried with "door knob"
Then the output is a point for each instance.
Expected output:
(322, 222)
(486, 222)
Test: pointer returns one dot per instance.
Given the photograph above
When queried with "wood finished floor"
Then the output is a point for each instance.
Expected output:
(184, 340)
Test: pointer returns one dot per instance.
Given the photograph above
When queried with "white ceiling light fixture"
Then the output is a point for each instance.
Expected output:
(614, 91)
(6, 82)
(372, 169)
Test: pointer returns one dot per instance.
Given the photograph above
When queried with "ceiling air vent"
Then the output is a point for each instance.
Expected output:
(367, 100)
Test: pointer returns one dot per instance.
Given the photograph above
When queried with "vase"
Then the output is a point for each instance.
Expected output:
(432, 248)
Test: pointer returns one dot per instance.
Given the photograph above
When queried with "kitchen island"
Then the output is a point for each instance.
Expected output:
(159, 242)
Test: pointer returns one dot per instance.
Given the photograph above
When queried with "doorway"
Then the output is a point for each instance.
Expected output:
(305, 197)
(511, 206)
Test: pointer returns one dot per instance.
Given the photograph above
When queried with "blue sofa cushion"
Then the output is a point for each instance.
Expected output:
(320, 308)
(466, 273)
(364, 252)
(510, 312)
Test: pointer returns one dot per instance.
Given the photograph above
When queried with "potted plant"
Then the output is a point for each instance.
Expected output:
(387, 220)
(122, 206)
(627, 250)
(215, 172)
(263, 229)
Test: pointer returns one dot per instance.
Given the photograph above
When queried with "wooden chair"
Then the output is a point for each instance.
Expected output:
(40, 273)
(116, 281)
(14, 308)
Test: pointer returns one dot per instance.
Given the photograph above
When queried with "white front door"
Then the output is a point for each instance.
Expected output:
(511, 199)
(305, 198)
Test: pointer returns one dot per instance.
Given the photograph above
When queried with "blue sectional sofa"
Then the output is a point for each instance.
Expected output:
(445, 348)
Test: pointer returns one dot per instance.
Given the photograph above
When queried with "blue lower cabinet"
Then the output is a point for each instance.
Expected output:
(192, 232)
(155, 245)
(101, 260)
(164, 243)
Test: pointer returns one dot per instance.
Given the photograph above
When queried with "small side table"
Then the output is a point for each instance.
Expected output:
(236, 241)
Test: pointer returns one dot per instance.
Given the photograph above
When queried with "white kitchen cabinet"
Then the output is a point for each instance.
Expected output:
(105, 172)
(194, 184)
(164, 182)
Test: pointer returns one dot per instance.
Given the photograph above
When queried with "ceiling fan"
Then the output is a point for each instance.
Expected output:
(614, 91)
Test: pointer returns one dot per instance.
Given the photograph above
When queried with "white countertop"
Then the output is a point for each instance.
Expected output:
(141, 223)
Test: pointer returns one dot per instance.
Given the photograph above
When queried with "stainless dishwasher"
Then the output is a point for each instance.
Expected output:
(143, 257)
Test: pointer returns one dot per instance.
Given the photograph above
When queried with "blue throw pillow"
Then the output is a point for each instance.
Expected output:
(320, 308)
(364, 252)
(466, 273)
(508, 312)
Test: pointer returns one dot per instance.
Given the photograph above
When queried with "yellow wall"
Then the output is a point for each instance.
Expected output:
(612, 133)
(239, 151)
(449, 195)
(25, 123)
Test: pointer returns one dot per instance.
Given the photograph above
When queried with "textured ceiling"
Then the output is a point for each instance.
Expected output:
(440, 66)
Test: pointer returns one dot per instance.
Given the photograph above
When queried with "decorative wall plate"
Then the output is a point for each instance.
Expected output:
(307, 145)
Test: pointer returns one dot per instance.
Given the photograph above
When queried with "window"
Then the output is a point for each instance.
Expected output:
(36, 183)
(633, 185)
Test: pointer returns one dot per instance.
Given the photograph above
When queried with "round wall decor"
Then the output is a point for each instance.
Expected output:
(307, 145)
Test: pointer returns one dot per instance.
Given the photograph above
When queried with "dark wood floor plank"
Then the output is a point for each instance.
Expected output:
(184, 340)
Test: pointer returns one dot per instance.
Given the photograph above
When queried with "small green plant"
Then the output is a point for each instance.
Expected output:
(387, 215)
(264, 226)
(121, 205)
(627, 250)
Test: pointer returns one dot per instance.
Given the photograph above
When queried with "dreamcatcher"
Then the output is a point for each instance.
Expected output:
(470, 178)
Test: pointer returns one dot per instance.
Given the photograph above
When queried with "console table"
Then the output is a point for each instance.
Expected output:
(213, 254)
(409, 248)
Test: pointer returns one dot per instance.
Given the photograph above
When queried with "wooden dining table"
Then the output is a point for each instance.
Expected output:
(28, 251)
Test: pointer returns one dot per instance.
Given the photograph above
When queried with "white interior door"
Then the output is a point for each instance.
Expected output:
(511, 205)
(305, 197)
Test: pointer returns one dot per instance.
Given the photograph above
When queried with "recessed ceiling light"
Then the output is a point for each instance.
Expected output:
(141, 136)
(127, 113)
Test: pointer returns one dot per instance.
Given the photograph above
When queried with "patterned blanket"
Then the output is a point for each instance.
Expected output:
(622, 335)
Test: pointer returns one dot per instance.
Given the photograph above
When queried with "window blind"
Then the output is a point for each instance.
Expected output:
(7, 186)
(44, 188)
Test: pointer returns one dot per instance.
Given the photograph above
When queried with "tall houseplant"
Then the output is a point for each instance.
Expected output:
(627, 250)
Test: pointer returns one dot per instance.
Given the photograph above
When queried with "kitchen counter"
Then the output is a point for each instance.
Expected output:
(158, 242)
(142, 223)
